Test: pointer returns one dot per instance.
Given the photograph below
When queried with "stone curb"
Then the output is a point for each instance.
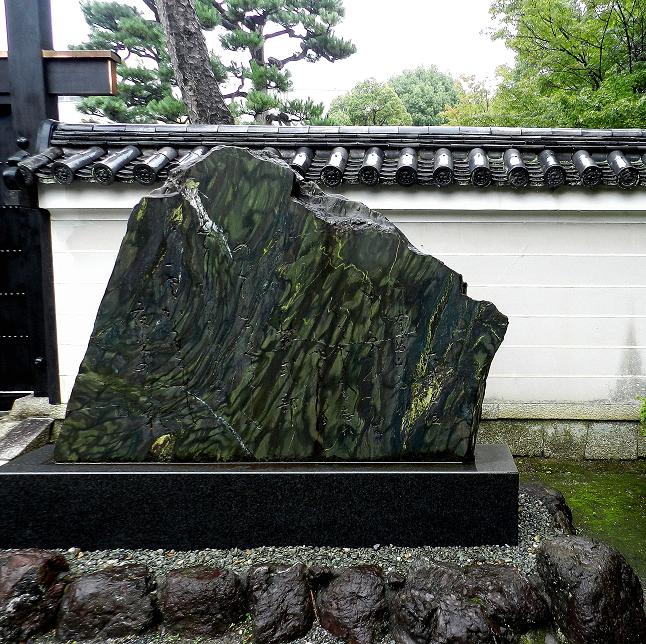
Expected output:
(31, 406)
(567, 439)
(278, 603)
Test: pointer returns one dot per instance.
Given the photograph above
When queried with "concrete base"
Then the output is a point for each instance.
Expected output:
(185, 507)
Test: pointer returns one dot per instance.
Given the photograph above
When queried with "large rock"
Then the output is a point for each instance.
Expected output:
(512, 603)
(596, 597)
(429, 607)
(201, 601)
(447, 604)
(249, 317)
(281, 603)
(353, 606)
(30, 591)
(554, 502)
(457, 620)
(114, 602)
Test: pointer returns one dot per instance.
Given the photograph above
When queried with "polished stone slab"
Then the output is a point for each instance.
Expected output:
(191, 506)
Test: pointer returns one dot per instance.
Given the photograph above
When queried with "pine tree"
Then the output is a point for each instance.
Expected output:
(192, 64)
(257, 87)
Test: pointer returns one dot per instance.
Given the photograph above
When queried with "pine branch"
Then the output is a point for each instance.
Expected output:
(281, 62)
(151, 5)
(227, 22)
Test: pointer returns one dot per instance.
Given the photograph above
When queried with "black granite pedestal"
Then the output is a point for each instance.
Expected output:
(97, 506)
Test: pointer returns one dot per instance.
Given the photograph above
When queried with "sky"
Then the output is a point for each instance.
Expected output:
(451, 35)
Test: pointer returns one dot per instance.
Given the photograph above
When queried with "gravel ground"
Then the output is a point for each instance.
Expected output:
(316, 636)
(535, 524)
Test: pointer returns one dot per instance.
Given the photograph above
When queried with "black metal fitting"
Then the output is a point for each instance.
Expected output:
(332, 172)
(17, 157)
(146, 172)
(64, 171)
(406, 174)
(443, 167)
(517, 172)
(627, 175)
(12, 178)
(587, 168)
(371, 166)
(554, 173)
(302, 160)
(105, 171)
(479, 170)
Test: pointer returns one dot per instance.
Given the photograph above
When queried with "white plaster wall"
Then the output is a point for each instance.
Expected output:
(569, 269)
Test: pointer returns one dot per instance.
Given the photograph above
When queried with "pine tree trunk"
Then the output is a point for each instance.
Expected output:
(190, 58)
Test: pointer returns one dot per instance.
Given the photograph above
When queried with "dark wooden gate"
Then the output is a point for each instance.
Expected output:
(28, 361)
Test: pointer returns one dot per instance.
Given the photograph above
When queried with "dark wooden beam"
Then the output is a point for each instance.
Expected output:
(70, 73)
(29, 31)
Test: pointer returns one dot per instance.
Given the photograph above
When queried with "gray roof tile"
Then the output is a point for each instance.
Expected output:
(391, 139)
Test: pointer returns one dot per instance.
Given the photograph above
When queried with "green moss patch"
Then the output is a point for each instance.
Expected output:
(608, 500)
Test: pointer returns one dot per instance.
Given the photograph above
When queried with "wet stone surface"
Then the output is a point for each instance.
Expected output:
(444, 603)
(353, 605)
(110, 603)
(201, 601)
(281, 603)
(252, 317)
(595, 595)
(30, 589)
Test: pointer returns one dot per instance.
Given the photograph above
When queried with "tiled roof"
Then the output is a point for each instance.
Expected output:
(428, 156)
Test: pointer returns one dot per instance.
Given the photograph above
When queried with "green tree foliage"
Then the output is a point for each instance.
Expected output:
(255, 84)
(579, 63)
(426, 93)
(369, 103)
(473, 105)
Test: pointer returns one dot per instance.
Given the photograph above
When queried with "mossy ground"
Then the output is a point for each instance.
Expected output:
(608, 500)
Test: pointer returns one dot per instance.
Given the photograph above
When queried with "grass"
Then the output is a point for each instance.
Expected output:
(608, 500)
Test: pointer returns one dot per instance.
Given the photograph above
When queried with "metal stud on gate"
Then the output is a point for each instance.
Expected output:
(406, 174)
(371, 167)
(443, 167)
(332, 172)
(554, 173)
(479, 170)
(627, 175)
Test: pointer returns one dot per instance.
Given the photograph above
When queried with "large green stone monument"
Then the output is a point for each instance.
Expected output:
(251, 317)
